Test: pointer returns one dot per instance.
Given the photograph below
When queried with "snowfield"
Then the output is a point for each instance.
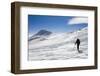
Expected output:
(58, 46)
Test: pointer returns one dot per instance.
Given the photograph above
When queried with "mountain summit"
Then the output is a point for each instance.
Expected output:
(43, 33)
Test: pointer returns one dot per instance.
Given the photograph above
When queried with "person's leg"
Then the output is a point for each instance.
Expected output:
(78, 47)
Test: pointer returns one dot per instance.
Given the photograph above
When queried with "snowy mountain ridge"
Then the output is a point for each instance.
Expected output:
(58, 46)
(42, 34)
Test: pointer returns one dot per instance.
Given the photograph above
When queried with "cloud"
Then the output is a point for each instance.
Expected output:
(78, 20)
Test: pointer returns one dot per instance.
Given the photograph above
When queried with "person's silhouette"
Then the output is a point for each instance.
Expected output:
(78, 44)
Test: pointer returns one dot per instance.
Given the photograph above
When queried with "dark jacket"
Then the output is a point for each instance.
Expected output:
(77, 41)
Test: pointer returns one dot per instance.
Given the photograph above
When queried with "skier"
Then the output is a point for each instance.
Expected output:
(78, 44)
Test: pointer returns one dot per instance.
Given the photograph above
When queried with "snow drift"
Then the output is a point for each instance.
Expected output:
(45, 45)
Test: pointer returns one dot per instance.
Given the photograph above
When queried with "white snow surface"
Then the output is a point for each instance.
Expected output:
(59, 46)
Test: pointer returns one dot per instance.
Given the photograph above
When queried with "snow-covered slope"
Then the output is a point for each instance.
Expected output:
(39, 36)
(58, 46)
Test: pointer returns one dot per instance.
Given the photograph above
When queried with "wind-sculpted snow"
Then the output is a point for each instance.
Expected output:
(59, 46)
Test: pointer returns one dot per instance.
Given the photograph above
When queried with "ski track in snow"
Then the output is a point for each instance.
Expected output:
(59, 47)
